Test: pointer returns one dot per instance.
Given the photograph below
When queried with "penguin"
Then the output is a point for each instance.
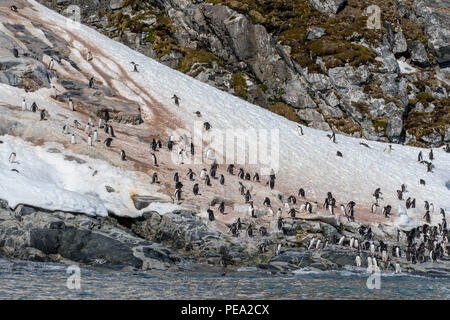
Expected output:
(176, 178)
(95, 135)
(388, 149)
(374, 208)
(111, 131)
(266, 202)
(91, 82)
(269, 212)
(222, 179)
(278, 250)
(89, 141)
(192, 149)
(87, 129)
(422, 182)
(364, 145)
(339, 154)
(431, 208)
(426, 205)
(154, 161)
(100, 123)
(155, 178)
(195, 189)
(12, 157)
(341, 241)
(358, 261)
(427, 217)
(413, 203)
(210, 215)
(51, 64)
(89, 56)
(356, 244)
(352, 241)
(42, 115)
(250, 231)
(399, 195)
(397, 252)
(207, 126)
(170, 145)
(372, 248)
(203, 174)
(279, 213)
(308, 207)
(135, 65)
(271, 183)
(397, 268)
(177, 194)
(71, 106)
(230, 169)
(374, 262)
(65, 129)
(176, 100)
(301, 192)
(24, 105)
(369, 264)
(384, 256)
(420, 157)
(108, 142)
(207, 181)
(72, 139)
(15, 53)
(13, 8)
(190, 174)
(292, 212)
(318, 244)
(241, 173)
(198, 114)
(106, 128)
(430, 155)
(251, 210)
(34, 107)
(311, 243)
(332, 137)
(222, 207)
(123, 155)
(299, 130)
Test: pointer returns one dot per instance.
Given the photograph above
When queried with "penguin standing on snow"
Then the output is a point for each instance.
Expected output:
(24, 105)
(13, 8)
(71, 106)
(72, 139)
(301, 192)
(430, 155)
(177, 194)
(154, 161)
(190, 174)
(89, 56)
(34, 107)
(210, 215)
(12, 157)
(89, 141)
(195, 189)
(91, 82)
(420, 157)
(222, 179)
(222, 207)
(42, 115)
(176, 100)
(51, 64)
(155, 178)
(15, 53)
(299, 130)
(108, 142)
(135, 65)
(123, 156)
(95, 135)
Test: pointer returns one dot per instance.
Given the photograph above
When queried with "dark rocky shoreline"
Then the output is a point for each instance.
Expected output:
(180, 240)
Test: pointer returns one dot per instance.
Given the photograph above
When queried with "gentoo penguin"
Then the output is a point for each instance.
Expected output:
(318, 244)
(299, 130)
(108, 141)
(155, 178)
(301, 192)
(87, 129)
(95, 135)
(266, 202)
(308, 207)
(176, 178)
(71, 106)
(89, 140)
(203, 174)
(251, 210)
(279, 213)
(65, 129)
(15, 53)
(384, 256)
(352, 241)
(341, 241)
(195, 189)
(420, 157)
(397, 268)
(177, 194)
(12, 157)
(135, 65)
(256, 177)
(100, 122)
(241, 173)
(311, 243)
(13, 8)
(430, 155)
(278, 250)
(177, 100)
(123, 155)
(269, 212)
(339, 154)
(332, 137)
(292, 212)
(427, 217)
(374, 208)
(388, 149)
(24, 105)
(89, 56)
(250, 231)
(210, 215)
(72, 139)
(399, 195)
(222, 207)
(358, 261)
(207, 126)
(42, 115)
(111, 131)
(356, 244)
(426, 205)
(198, 113)
(190, 174)
(230, 169)
(91, 82)
(34, 107)
(222, 179)
(154, 161)
(51, 64)
(397, 252)
(431, 208)
(207, 181)
(422, 182)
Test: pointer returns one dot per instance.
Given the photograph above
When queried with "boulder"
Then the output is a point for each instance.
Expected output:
(328, 6)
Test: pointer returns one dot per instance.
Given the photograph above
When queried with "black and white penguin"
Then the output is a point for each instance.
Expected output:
(230, 169)
(198, 114)
(154, 145)
(154, 161)
(241, 173)
(332, 137)
(222, 207)
(301, 192)
(427, 216)
(155, 178)
(108, 142)
(91, 82)
(42, 115)
(123, 156)
(256, 177)
(387, 211)
(170, 145)
(72, 139)
(430, 155)
(292, 200)
(195, 189)
(89, 140)
(210, 215)
(299, 130)
(399, 194)
(190, 174)
(111, 131)
(266, 202)
(207, 181)
(13, 8)
(222, 179)
(374, 208)
(135, 65)
(89, 56)
(15, 52)
(176, 178)
(207, 126)
(177, 194)
(308, 207)
(12, 157)
(51, 64)
(176, 99)
(420, 157)
(192, 149)
(250, 231)
(34, 107)
(339, 154)
(292, 212)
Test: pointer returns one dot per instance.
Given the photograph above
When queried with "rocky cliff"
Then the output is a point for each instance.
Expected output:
(317, 62)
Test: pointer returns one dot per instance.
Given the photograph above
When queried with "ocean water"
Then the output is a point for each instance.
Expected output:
(32, 280)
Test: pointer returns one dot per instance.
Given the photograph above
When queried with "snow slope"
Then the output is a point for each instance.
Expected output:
(308, 161)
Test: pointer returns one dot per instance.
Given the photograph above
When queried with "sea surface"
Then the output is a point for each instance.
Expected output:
(34, 280)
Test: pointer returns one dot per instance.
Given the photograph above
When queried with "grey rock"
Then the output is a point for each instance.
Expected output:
(315, 33)
(329, 6)
(400, 45)
(418, 53)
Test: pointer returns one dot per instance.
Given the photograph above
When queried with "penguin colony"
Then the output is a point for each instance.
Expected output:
(424, 243)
